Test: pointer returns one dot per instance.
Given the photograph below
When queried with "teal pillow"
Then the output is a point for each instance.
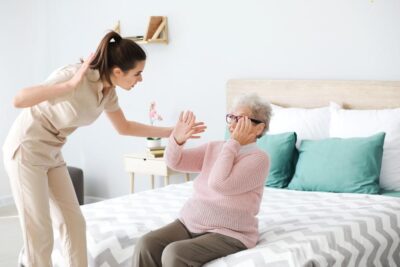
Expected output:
(227, 134)
(390, 193)
(281, 149)
(349, 165)
(282, 152)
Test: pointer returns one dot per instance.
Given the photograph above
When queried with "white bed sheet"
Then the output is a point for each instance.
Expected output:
(296, 228)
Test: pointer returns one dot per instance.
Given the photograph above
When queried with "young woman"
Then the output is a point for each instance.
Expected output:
(220, 217)
(71, 97)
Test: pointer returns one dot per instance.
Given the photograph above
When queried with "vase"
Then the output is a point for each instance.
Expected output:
(153, 142)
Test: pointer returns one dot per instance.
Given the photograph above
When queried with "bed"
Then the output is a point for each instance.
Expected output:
(297, 228)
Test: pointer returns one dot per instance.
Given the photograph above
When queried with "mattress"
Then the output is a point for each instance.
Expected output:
(296, 228)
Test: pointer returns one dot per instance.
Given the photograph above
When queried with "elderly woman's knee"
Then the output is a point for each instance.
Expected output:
(147, 243)
(173, 254)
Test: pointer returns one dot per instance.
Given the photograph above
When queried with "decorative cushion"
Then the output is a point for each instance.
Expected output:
(340, 165)
(308, 123)
(282, 151)
(361, 123)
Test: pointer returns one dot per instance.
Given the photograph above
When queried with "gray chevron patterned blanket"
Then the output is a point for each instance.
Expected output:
(296, 228)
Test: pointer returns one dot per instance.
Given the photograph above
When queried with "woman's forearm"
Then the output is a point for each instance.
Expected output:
(184, 160)
(144, 130)
(34, 95)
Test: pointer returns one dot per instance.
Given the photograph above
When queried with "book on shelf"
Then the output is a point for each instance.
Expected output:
(155, 154)
(156, 148)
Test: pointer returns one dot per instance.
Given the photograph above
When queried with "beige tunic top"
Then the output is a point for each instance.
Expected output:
(40, 131)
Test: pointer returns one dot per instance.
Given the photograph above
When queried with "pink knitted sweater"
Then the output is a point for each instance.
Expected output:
(227, 192)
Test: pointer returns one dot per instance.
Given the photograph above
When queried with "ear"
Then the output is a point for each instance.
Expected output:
(117, 72)
(260, 128)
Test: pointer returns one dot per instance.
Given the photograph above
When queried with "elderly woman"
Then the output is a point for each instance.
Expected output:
(220, 217)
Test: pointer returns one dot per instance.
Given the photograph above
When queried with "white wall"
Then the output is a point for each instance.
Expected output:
(22, 54)
(210, 42)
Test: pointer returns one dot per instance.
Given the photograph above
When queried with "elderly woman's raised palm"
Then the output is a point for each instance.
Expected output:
(187, 127)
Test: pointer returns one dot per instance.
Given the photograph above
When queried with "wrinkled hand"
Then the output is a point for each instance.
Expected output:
(197, 128)
(187, 127)
(77, 78)
(243, 132)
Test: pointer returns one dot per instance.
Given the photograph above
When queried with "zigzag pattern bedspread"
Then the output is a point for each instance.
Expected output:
(296, 228)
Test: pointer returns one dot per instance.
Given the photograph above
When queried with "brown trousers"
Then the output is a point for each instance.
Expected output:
(174, 246)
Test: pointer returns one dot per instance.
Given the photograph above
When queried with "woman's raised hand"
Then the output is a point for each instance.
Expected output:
(243, 132)
(187, 127)
(77, 78)
(198, 127)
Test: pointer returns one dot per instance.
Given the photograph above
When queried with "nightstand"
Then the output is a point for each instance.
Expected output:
(143, 164)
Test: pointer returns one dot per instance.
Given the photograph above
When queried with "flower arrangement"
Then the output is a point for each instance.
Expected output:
(153, 117)
(153, 114)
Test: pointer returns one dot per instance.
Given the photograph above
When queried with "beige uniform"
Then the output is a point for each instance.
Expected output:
(38, 173)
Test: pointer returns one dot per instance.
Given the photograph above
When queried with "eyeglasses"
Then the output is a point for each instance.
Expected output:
(230, 118)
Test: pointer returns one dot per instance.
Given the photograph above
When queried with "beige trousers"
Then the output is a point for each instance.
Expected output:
(174, 246)
(45, 196)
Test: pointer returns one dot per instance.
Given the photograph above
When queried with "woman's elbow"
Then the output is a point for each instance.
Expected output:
(170, 161)
(18, 102)
(221, 187)
(122, 130)
(213, 185)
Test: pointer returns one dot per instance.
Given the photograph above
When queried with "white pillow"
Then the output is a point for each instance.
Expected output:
(308, 123)
(362, 123)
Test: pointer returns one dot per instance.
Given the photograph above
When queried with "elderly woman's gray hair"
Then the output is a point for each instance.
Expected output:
(261, 109)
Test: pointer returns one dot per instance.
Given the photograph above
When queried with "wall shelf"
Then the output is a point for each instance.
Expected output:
(157, 31)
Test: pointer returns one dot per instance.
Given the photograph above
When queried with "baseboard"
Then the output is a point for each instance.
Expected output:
(6, 201)
(92, 199)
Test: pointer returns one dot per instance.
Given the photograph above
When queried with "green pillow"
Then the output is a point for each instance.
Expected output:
(349, 165)
(282, 153)
(390, 193)
(227, 134)
(281, 149)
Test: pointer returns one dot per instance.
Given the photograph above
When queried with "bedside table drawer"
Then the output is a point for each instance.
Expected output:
(146, 166)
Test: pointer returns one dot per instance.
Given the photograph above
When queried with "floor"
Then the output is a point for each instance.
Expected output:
(10, 234)
(11, 240)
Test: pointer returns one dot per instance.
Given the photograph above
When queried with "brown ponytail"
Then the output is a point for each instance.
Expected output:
(115, 51)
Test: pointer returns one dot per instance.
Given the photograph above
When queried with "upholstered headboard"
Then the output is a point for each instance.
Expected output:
(317, 93)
